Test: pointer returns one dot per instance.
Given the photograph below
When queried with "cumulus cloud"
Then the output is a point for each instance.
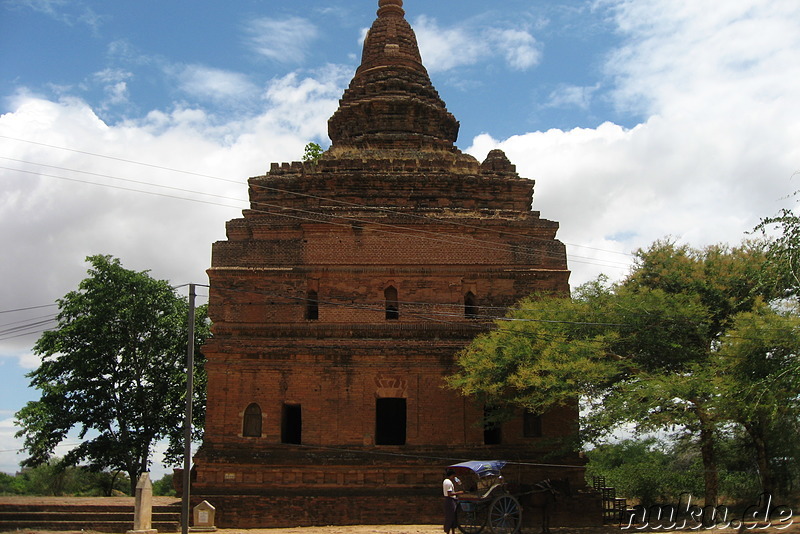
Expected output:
(52, 218)
(29, 361)
(215, 84)
(678, 55)
(115, 86)
(572, 96)
(445, 48)
(282, 40)
(519, 48)
(9, 445)
(719, 148)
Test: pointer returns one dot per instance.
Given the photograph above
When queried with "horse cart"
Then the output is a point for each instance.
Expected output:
(485, 501)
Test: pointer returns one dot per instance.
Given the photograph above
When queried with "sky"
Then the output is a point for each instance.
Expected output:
(130, 128)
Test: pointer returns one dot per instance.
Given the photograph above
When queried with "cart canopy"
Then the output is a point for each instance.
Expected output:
(482, 468)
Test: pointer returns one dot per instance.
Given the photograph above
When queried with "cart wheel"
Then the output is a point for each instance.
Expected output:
(471, 519)
(505, 515)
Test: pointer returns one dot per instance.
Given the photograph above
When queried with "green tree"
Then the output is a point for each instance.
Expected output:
(784, 249)
(114, 368)
(645, 470)
(639, 352)
(758, 356)
(312, 153)
(164, 487)
(10, 485)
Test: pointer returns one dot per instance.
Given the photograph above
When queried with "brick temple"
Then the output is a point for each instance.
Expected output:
(341, 298)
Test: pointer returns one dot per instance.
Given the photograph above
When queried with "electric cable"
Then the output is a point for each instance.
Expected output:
(288, 192)
(473, 243)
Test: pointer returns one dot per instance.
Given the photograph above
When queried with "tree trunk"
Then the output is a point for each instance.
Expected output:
(709, 455)
(134, 480)
(767, 477)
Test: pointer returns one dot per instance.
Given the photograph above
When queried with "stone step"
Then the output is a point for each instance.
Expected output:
(71, 508)
(96, 525)
(74, 514)
(81, 516)
(71, 517)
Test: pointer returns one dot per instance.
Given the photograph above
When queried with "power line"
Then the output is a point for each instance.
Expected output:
(262, 186)
(312, 217)
(25, 327)
(120, 187)
(50, 316)
(29, 308)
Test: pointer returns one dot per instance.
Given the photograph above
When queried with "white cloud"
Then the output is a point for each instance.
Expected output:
(690, 54)
(566, 96)
(50, 225)
(717, 153)
(282, 40)
(9, 459)
(215, 84)
(64, 11)
(115, 86)
(29, 361)
(519, 48)
(718, 82)
(444, 48)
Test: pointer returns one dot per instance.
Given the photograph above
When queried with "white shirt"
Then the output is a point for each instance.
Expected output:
(447, 488)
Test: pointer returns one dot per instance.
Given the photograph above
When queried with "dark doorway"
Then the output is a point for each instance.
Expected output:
(312, 306)
(292, 424)
(532, 425)
(492, 430)
(390, 421)
(470, 306)
(392, 306)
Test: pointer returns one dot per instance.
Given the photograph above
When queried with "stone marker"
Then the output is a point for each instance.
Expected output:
(204, 517)
(143, 510)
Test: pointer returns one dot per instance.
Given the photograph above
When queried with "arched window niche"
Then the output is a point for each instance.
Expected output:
(251, 422)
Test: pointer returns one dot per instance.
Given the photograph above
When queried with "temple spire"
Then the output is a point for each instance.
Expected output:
(391, 102)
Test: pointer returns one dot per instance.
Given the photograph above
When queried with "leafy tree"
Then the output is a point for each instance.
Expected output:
(758, 356)
(645, 470)
(312, 153)
(640, 352)
(56, 478)
(107, 483)
(784, 250)
(114, 368)
(164, 487)
(653, 472)
(10, 485)
(727, 281)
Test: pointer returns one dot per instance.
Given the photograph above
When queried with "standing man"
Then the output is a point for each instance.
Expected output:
(450, 501)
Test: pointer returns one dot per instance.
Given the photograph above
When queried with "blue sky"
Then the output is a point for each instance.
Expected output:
(638, 119)
(127, 60)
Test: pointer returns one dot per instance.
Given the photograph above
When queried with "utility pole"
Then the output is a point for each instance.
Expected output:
(187, 424)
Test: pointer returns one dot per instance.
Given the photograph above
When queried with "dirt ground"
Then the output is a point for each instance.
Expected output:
(437, 529)
(360, 529)
(794, 528)
(404, 529)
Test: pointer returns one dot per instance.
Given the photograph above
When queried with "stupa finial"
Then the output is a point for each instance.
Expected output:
(390, 7)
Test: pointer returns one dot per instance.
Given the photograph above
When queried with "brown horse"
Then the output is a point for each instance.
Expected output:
(544, 496)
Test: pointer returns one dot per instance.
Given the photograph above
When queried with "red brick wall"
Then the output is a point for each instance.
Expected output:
(453, 233)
